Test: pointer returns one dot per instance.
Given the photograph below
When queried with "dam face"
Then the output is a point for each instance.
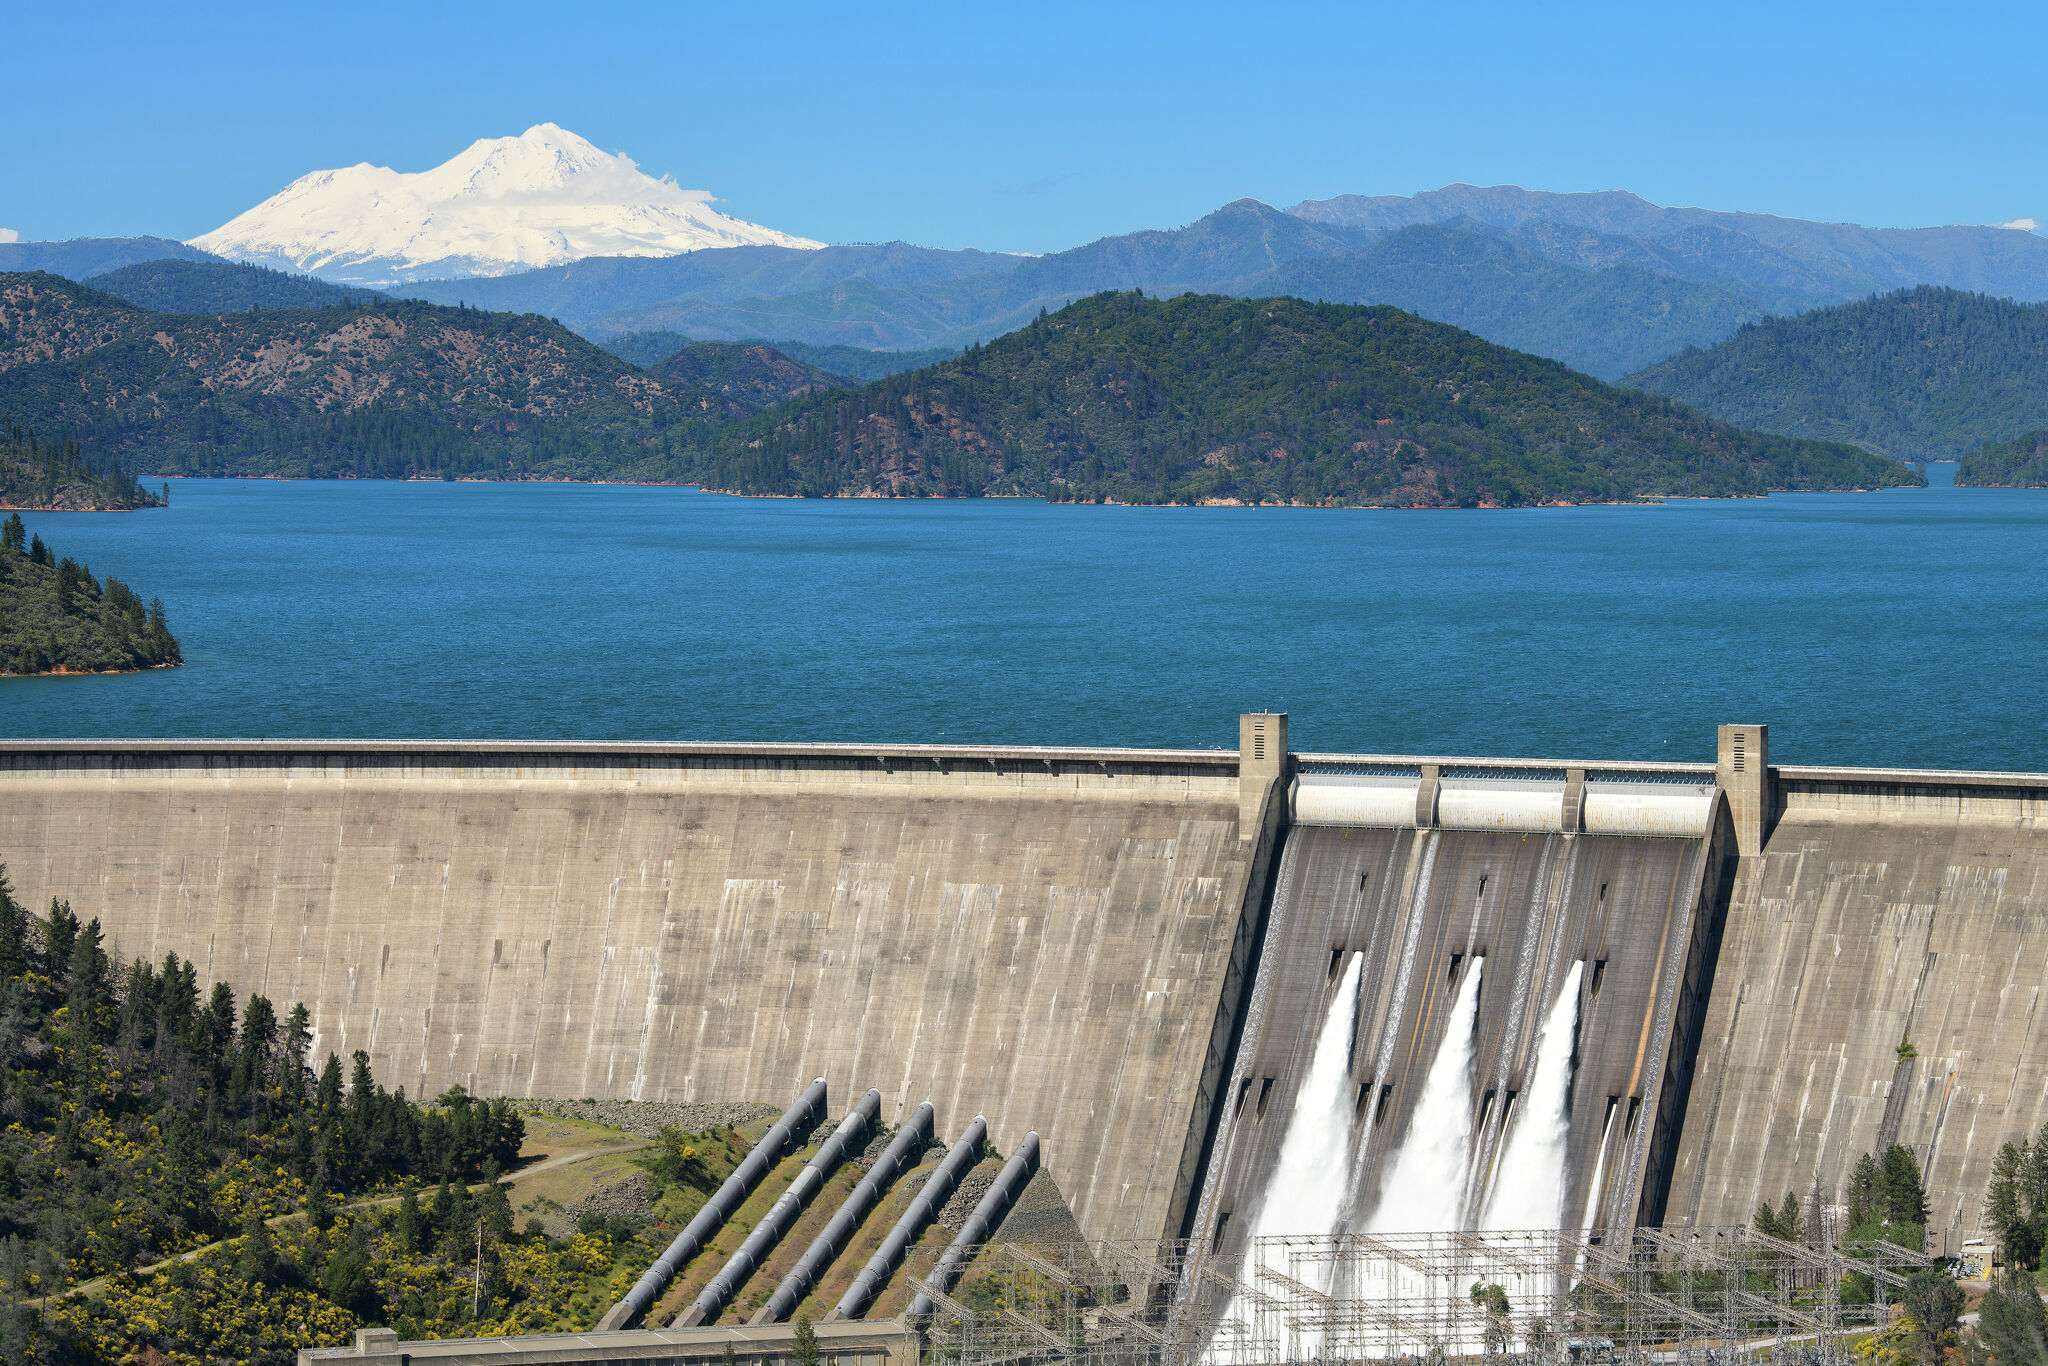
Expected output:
(1684, 991)
(1042, 936)
(1884, 909)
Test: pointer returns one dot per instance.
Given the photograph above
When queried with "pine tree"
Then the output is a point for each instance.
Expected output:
(803, 1343)
(14, 945)
(1901, 1199)
(1862, 1197)
(60, 936)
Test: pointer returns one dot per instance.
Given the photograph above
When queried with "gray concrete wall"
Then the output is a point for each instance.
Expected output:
(1040, 936)
(1883, 907)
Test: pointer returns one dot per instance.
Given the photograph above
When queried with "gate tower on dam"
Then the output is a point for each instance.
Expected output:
(1135, 954)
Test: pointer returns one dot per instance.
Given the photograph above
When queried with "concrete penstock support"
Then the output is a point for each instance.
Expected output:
(980, 1225)
(718, 1292)
(902, 1152)
(797, 1121)
(923, 1209)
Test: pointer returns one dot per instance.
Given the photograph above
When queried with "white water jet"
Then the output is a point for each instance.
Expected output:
(1318, 1141)
(1314, 1154)
(1529, 1192)
(1424, 1189)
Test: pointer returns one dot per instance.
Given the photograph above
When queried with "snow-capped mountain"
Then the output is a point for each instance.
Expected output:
(504, 205)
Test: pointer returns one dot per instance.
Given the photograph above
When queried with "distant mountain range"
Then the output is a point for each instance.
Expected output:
(1203, 398)
(502, 205)
(175, 286)
(1605, 282)
(84, 256)
(1786, 264)
(1918, 374)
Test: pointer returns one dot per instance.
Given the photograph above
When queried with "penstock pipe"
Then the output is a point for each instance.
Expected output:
(796, 1121)
(903, 1150)
(924, 1207)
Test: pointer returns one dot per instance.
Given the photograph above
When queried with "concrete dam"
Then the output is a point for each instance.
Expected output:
(1464, 990)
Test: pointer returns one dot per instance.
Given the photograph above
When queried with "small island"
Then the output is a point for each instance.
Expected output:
(56, 618)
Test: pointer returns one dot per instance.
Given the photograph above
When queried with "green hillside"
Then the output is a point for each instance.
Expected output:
(735, 381)
(54, 476)
(2019, 463)
(1921, 374)
(1204, 398)
(172, 286)
(55, 617)
(649, 349)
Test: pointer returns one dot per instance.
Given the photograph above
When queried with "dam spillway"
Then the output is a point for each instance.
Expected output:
(1467, 938)
(1130, 953)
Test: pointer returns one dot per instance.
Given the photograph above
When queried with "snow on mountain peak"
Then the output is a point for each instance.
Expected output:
(500, 205)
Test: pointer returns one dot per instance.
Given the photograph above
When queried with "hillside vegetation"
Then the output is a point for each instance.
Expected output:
(55, 617)
(738, 381)
(182, 1183)
(174, 286)
(649, 349)
(1921, 374)
(383, 389)
(2019, 463)
(1203, 398)
(53, 476)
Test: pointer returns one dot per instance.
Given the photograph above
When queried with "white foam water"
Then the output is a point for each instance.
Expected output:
(1529, 1192)
(1424, 1190)
(1314, 1153)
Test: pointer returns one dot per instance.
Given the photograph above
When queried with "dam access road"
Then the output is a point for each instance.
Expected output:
(1129, 953)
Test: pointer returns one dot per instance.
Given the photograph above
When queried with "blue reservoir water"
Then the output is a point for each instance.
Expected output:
(1898, 628)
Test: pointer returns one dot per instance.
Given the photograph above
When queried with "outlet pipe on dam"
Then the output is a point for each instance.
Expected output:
(719, 1290)
(909, 1144)
(987, 1217)
(924, 1207)
(796, 1122)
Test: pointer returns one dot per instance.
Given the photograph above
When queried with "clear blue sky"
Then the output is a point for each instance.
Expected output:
(1041, 126)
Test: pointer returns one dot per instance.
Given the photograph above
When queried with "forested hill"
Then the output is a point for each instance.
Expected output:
(735, 381)
(173, 286)
(54, 476)
(386, 389)
(1921, 374)
(2019, 463)
(1204, 398)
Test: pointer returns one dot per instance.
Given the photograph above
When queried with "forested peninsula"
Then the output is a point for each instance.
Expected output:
(1918, 374)
(53, 476)
(1204, 398)
(55, 617)
(2021, 463)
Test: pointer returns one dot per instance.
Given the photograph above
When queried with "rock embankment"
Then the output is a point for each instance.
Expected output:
(646, 1117)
